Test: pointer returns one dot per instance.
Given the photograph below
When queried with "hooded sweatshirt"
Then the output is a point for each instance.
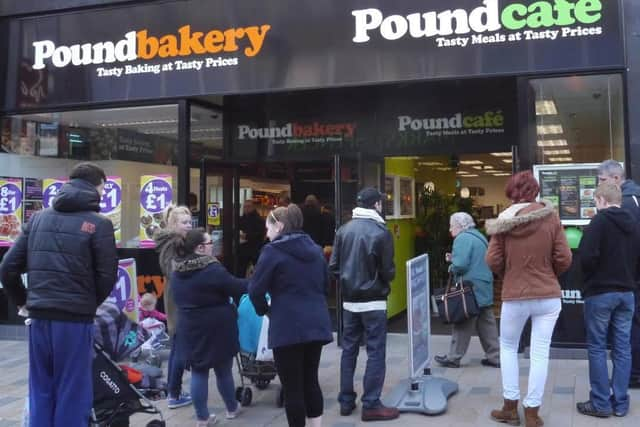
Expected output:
(609, 253)
(293, 271)
(631, 198)
(528, 250)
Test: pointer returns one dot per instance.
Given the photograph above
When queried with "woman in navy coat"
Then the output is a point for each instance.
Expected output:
(293, 271)
(207, 328)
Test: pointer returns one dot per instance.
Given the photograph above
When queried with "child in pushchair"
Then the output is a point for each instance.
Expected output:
(115, 395)
(259, 372)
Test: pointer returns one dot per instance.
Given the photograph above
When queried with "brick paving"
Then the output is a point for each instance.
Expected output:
(479, 392)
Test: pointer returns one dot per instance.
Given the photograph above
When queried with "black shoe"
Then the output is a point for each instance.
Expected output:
(587, 408)
(487, 362)
(346, 410)
(442, 360)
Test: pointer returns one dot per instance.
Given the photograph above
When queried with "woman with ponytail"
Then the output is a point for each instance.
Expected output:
(207, 328)
(293, 271)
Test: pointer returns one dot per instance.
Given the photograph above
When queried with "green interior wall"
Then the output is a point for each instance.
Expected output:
(404, 240)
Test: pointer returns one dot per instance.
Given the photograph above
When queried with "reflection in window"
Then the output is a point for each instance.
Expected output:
(129, 143)
(579, 119)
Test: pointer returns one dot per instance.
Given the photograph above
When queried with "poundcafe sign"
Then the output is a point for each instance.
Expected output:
(189, 47)
(529, 22)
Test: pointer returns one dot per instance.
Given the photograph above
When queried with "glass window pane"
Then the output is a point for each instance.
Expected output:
(579, 119)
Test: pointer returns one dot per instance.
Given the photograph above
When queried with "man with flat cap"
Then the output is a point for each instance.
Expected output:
(362, 262)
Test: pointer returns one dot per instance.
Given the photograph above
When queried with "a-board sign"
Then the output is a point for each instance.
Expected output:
(571, 189)
(419, 315)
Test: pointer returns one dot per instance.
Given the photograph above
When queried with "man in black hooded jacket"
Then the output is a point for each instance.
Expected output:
(612, 171)
(69, 254)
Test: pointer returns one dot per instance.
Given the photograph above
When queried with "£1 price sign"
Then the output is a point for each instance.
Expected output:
(156, 194)
(10, 210)
(111, 204)
(50, 189)
(125, 291)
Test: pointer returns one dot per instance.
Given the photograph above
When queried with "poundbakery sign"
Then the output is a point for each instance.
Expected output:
(183, 48)
(459, 27)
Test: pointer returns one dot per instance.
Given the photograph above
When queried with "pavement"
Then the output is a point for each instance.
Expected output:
(479, 392)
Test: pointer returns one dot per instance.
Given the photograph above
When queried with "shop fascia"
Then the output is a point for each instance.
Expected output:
(141, 45)
(490, 17)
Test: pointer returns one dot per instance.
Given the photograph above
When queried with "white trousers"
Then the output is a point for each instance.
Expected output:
(543, 313)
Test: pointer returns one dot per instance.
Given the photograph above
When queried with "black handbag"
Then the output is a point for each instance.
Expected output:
(457, 303)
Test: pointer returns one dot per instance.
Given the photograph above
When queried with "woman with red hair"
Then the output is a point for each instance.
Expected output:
(528, 250)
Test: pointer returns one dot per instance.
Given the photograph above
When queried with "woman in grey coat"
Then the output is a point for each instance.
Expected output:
(467, 262)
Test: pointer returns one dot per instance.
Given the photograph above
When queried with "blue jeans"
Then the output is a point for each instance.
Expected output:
(60, 373)
(373, 324)
(200, 388)
(175, 370)
(612, 311)
(635, 341)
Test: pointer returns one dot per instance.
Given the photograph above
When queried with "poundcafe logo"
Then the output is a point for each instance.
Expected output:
(141, 44)
(532, 21)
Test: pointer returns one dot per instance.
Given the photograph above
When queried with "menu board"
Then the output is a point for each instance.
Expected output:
(418, 314)
(571, 189)
(156, 194)
(11, 197)
(111, 204)
(32, 197)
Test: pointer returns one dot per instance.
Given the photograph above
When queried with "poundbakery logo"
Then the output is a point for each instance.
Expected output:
(142, 45)
(300, 133)
(545, 19)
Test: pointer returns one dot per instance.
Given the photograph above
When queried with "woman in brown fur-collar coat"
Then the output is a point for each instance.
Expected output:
(528, 250)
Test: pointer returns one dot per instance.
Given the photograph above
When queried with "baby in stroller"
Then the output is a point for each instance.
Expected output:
(259, 370)
(121, 391)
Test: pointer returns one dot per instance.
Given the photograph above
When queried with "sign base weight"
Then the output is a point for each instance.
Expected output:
(426, 395)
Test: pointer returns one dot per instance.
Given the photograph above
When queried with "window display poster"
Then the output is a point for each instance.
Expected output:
(125, 291)
(571, 189)
(213, 214)
(156, 194)
(32, 198)
(50, 188)
(111, 204)
(11, 196)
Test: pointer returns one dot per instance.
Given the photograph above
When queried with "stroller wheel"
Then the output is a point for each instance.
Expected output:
(262, 384)
(239, 394)
(156, 423)
(246, 396)
(280, 397)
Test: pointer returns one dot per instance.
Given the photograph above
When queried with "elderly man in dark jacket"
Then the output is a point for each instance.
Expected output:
(69, 254)
(362, 262)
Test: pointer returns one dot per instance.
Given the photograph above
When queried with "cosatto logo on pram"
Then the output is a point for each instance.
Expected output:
(109, 382)
(142, 45)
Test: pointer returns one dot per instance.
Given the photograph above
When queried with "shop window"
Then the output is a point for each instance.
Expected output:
(400, 193)
(135, 146)
(579, 119)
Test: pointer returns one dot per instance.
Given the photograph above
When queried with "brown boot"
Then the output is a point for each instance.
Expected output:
(531, 417)
(508, 414)
(382, 413)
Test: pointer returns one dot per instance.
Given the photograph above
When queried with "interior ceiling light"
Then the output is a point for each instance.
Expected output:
(550, 130)
(463, 173)
(479, 168)
(502, 174)
(505, 154)
(556, 152)
(470, 162)
(430, 163)
(552, 143)
(138, 123)
(443, 169)
(509, 161)
(561, 159)
(473, 175)
(546, 107)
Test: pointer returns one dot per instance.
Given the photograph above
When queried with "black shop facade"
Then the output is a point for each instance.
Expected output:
(208, 104)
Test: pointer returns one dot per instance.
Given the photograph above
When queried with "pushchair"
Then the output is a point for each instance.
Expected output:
(115, 398)
(259, 373)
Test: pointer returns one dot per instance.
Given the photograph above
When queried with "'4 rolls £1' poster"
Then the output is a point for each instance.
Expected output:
(156, 194)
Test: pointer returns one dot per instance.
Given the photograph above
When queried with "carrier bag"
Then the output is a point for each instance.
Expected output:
(264, 353)
(457, 303)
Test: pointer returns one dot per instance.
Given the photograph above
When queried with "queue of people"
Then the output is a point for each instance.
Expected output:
(527, 251)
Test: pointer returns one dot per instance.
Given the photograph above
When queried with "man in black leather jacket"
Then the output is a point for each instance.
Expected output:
(69, 254)
(362, 262)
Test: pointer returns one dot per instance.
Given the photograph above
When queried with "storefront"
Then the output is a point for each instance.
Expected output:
(208, 104)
